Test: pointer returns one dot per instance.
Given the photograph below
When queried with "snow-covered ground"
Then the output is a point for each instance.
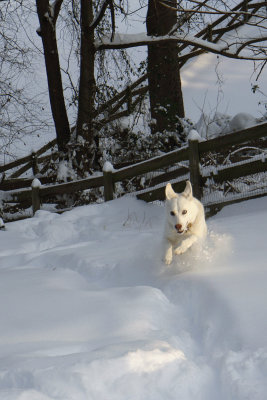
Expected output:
(89, 312)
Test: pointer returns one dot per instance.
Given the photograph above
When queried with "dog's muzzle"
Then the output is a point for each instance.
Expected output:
(179, 229)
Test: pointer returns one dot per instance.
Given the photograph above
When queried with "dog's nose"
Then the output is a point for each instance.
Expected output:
(178, 227)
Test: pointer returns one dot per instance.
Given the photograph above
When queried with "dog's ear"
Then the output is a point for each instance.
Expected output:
(188, 193)
(169, 192)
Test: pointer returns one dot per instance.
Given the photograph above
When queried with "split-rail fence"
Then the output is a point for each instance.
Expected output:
(191, 169)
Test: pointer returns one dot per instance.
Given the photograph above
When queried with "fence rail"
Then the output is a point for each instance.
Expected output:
(28, 159)
(190, 154)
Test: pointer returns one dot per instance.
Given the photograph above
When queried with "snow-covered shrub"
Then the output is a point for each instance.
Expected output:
(122, 144)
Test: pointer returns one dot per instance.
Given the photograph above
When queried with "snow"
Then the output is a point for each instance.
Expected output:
(36, 183)
(242, 121)
(108, 167)
(194, 135)
(2, 224)
(65, 171)
(89, 311)
(211, 126)
(140, 39)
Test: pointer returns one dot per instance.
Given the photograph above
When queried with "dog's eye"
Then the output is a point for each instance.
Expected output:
(172, 213)
(184, 212)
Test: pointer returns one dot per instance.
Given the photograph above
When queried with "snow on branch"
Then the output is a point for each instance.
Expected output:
(125, 41)
(227, 28)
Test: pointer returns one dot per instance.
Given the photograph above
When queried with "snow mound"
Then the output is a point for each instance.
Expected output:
(209, 126)
(242, 121)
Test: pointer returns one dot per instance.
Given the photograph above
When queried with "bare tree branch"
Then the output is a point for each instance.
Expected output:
(112, 11)
(57, 6)
(212, 10)
(116, 98)
(101, 13)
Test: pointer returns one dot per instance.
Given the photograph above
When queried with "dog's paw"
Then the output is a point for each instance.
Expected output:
(168, 260)
(180, 250)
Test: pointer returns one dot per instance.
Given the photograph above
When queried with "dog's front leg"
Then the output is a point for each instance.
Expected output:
(167, 252)
(185, 244)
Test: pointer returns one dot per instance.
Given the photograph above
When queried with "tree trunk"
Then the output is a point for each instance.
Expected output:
(165, 92)
(57, 102)
(87, 85)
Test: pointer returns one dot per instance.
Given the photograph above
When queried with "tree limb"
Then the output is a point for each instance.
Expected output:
(57, 6)
(112, 12)
(121, 114)
(100, 16)
(129, 41)
(214, 11)
(137, 40)
(118, 96)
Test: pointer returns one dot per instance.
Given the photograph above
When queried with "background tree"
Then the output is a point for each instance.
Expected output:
(164, 81)
(22, 112)
(236, 31)
(48, 15)
(87, 17)
(108, 86)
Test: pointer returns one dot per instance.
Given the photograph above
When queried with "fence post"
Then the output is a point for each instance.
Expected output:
(195, 176)
(34, 161)
(108, 181)
(36, 202)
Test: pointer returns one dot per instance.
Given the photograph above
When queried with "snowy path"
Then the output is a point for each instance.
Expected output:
(88, 310)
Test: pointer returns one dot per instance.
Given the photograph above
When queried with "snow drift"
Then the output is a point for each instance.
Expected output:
(89, 311)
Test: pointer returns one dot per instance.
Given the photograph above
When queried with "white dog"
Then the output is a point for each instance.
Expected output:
(185, 221)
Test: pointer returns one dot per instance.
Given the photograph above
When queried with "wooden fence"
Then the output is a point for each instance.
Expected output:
(190, 154)
(28, 162)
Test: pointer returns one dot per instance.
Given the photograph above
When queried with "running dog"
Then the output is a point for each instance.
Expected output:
(185, 222)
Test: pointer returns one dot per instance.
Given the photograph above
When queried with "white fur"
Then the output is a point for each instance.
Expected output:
(189, 215)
